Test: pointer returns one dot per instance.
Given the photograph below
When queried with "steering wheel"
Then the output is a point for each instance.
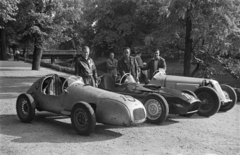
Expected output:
(69, 78)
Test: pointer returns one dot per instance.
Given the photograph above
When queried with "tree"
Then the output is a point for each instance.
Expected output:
(111, 25)
(7, 12)
(35, 20)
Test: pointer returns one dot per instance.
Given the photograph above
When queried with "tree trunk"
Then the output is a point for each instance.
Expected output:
(37, 55)
(188, 44)
(3, 45)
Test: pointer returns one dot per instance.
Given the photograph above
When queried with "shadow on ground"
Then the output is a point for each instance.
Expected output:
(51, 130)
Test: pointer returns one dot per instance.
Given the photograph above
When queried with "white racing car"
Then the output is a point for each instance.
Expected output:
(214, 97)
(85, 104)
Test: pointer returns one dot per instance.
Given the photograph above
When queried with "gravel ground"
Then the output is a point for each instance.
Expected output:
(53, 134)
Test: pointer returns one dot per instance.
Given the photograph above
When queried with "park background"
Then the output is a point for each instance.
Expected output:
(197, 38)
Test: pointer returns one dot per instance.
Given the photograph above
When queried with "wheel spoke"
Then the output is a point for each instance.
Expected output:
(207, 101)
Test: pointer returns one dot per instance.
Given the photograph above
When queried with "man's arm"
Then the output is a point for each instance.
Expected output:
(94, 70)
(147, 65)
(164, 65)
(109, 65)
(76, 66)
(120, 68)
(136, 68)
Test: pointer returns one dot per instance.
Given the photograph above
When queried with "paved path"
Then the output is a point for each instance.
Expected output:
(22, 69)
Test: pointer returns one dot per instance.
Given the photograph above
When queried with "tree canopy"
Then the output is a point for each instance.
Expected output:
(205, 32)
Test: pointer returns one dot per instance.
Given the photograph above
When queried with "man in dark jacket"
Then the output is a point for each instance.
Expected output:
(86, 68)
(155, 63)
(128, 64)
(112, 66)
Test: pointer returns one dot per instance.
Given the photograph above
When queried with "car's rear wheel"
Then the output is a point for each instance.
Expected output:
(210, 102)
(157, 108)
(229, 93)
(25, 107)
(190, 93)
(83, 118)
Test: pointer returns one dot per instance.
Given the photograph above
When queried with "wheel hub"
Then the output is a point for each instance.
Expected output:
(207, 101)
(81, 119)
(25, 107)
(154, 109)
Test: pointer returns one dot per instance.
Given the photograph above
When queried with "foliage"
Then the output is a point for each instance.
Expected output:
(8, 11)
(214, 27)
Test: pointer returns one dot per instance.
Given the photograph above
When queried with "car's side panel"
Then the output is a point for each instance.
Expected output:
(182, 86)
(80, 92)
(182, 79)
(49, 102)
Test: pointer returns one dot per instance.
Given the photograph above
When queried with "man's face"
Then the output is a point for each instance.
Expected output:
(86, 53)
(111, 55)
(156, 54)
(127, 53)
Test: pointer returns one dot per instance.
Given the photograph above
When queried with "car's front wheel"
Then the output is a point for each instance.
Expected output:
(229, 93)
(157, 108)
(25, 107)
(83, 118)
(210, 102)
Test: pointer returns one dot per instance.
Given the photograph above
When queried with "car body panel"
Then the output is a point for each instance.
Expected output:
(110, 108)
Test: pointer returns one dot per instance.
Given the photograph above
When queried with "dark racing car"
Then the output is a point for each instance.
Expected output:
(158, 101)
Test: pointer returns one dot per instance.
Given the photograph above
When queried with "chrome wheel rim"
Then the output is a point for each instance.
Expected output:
(154, 109)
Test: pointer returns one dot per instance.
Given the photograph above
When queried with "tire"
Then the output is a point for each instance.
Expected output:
(157, 108)
(190, 93)
(229, 93)
(25, 107)
(83, 118)
(210, 102)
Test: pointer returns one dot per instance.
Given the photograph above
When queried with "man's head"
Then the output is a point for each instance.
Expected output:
(126, 52)
(111, 55)
(156, 53)
(86, 51)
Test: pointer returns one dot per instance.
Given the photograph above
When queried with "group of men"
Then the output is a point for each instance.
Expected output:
(86, 68)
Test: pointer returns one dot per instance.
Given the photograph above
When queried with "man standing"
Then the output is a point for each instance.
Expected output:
(112, 66)
(86, 68)
(128, 64)
(155, 63)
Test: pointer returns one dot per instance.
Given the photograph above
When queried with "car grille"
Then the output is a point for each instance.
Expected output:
(138, 114)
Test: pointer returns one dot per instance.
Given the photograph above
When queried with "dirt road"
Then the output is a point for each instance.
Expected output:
(52, 134)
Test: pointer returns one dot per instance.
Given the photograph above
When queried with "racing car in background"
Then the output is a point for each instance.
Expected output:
(214, 97)
(158, 101)
(85, 104)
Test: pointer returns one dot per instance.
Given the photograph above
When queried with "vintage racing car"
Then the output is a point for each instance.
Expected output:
(85, 104)
(158, 101)
(214, 96)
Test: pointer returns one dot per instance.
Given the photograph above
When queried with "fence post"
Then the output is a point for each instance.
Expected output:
(52, 59)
